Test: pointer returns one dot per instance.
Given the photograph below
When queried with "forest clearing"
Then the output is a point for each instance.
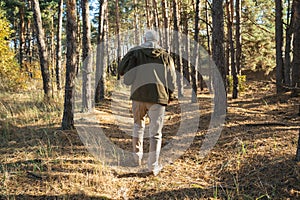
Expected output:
(254, 157)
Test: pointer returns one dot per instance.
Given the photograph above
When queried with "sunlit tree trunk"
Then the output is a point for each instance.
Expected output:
(209, 82)
(21, 33)
(177, 47)
(52, 55)
(155, 15)
(68, 115)
(42, 48)
(195, 52)
(79, 37)
(136, 24)
(219, 82)
(100, 60)
(166, 42)
(186, 50)
(230, 13)
(29, 39)
(118, 32)
(87, 58)
(148, 14)
(238, 37)
(59, 46)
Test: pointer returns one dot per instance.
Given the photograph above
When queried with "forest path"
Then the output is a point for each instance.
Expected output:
(253, 157)
(258, 141)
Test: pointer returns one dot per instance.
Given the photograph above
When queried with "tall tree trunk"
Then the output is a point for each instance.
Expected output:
(87, 58)
(177, 47)
(209, 82)
(136, 24)
(29, 40)
(52, 56)
(100, 60)
(186, 50)
(195, 53)
(59, 45)
(148, 14)
(42, 48)
(230, 14)
(22, 33)
(118, 33)
(79, 38)
(296, 49)
(68, 116)
(238, 38)
(298, 149)
(166, 42)
(218, 72)
(155, 15)
(279, 45)
(288, 44)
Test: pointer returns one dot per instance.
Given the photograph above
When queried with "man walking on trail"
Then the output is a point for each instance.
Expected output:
(151, 73)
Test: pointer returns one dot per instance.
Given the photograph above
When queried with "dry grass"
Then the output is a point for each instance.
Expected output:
(253, 159)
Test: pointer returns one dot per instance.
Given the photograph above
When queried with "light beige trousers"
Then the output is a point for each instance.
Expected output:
(156, 114)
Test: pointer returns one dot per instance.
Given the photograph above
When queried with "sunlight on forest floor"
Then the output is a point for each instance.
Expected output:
(253, 158)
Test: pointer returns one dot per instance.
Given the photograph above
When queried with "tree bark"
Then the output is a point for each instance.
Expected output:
(22, 33)
(166, 42)
(238, 38)
(87, 58)
(218, 72)
(298, 149)
(155, 15)
(118, 33)
(186, 50)
(79, 37)
(209, 82)
(148, 14)
(296, 49)
(136, 24)
(68, 116)
(42, 48)
(100, 60)
(279, 45)
(195, 53)
(59, 46)
(288, 45)
(229, 8)
(177, 47)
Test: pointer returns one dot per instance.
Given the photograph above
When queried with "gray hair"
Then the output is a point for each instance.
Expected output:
(151, 35)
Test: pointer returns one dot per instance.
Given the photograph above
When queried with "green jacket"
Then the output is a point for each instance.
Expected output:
(151, 74)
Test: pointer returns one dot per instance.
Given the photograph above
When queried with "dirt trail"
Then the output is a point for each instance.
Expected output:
(252, 159)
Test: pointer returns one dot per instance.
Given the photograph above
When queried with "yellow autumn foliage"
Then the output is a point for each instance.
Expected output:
(11, 76)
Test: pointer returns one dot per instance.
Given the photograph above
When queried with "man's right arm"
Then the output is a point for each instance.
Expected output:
(126, 67)
(123, 66)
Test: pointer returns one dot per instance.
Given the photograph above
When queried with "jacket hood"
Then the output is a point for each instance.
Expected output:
(151, 49)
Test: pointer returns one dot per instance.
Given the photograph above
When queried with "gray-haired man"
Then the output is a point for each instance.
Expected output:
(150, 71)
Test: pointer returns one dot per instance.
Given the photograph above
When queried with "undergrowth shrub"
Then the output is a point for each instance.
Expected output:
(241, 83)
(11, 76)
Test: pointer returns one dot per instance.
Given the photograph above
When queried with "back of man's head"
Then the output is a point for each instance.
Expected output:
(151, 36)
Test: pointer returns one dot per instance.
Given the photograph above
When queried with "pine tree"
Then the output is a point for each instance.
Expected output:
(44, 63)
(218, 72)
(296, 49)
(87, 58)
(68, 115)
